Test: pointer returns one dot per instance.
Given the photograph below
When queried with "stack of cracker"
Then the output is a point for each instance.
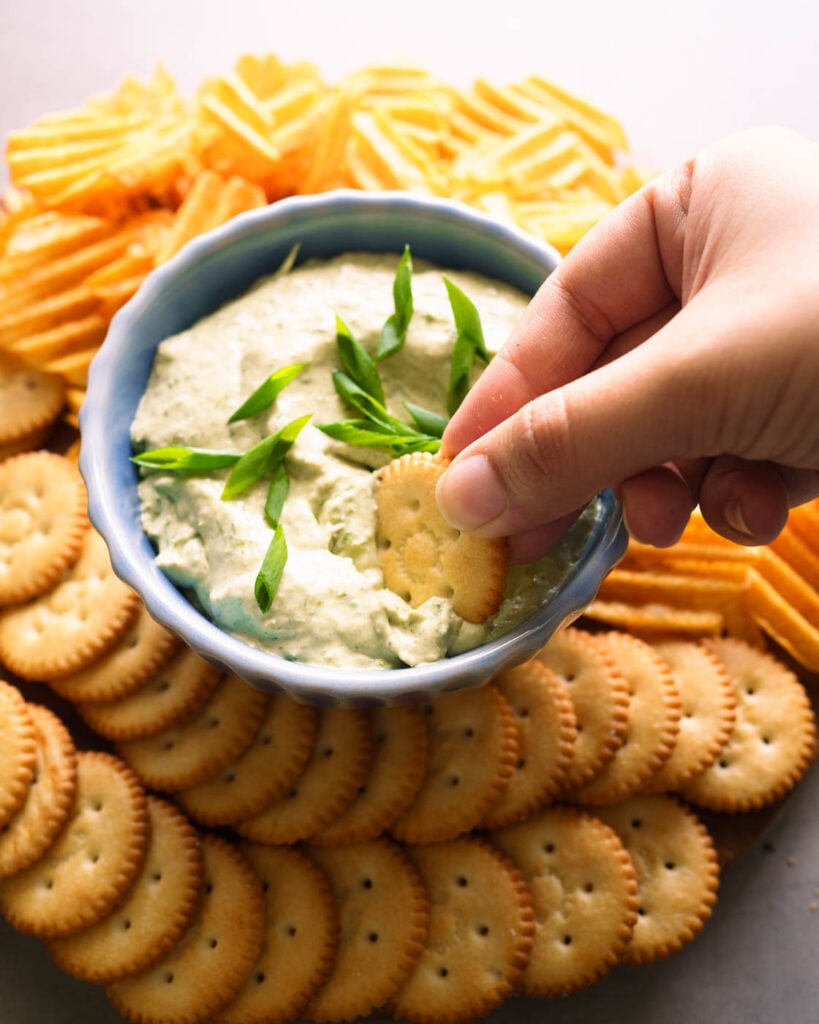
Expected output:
(231, 855)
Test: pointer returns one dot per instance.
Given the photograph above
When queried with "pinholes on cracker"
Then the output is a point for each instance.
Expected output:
(143, 649)
(546, 734)
(166, 698)
(653, 721)
(481, 929)
(383, 913)
(773, 738)
(338, 764)
(153, 915)
(93, 860)
(677, 874)
(18, 750)
(393, 780)
(30, 402)
(421, 555)
(70, 625)
(584, 895)
(708, 711)
(29, 833)
(200, 746)
(209, 965)
(42, 523)
(599, 695)
(473, 750)
(263, 773)
(300, 943)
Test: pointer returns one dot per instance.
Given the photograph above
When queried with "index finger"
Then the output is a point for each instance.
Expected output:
(625, 270)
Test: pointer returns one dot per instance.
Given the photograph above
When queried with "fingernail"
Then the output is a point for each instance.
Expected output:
(735, 519)
(469, 493)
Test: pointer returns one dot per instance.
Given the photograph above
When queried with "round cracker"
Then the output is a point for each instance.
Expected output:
(393, 780)
(200, 746)
(155, 913)
(422, 555)
(18, 750)
(26, 837)
(301, 938)
(167, 698)
(473, 750)
(599, 694)
(481, 929)
(544, 717)
(94, 859)
(584, 895)
(383, 912)
(677, 873)
(143, 650)
(76, 621)
(43, 521)
(210, 964)
(708, 712)
(338, 764)
(261, 775)
(31, 400)
(653, 722)
(773, 738)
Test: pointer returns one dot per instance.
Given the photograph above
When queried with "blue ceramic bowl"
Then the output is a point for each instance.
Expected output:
(221, 265)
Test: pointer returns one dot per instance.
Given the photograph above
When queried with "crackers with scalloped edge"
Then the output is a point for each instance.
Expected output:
(18, 750)
(421, 555)
(77, 620)
(25, 838)
(94, 859)
(773, 739)
(584, 896)
(155, 912)
(31, 400)
(481, 929)
(42, 523)
(677, 872)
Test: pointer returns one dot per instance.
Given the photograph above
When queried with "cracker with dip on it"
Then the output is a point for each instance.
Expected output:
(261, 434)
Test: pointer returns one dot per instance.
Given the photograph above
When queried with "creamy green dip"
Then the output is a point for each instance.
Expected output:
(331, 607)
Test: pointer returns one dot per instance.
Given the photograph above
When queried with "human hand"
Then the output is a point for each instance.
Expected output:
(673, 355)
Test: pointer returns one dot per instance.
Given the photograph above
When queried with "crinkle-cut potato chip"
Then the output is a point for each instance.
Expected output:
(653, 620)
(421, 555)
(720, 591)
(211, 201)
(104, 192)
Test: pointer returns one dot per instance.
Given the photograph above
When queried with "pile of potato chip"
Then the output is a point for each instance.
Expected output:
(706, 585)
(104, 193)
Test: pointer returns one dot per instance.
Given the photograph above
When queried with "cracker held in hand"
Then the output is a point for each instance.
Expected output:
(421, 555)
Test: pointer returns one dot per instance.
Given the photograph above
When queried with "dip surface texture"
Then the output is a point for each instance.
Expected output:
(331, 607)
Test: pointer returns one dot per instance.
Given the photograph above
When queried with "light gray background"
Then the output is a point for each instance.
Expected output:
(679, 75)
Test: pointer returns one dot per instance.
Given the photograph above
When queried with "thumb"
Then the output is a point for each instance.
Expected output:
(556, 452)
